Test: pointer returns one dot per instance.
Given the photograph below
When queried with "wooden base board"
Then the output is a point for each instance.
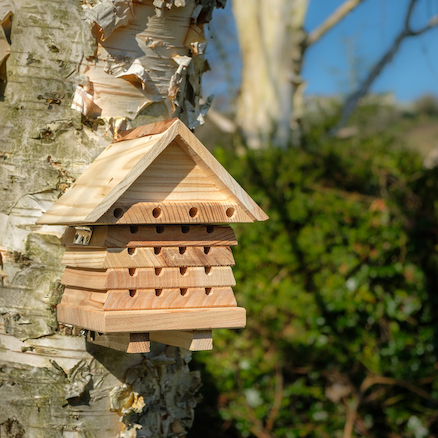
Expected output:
(145, 321)
(126, 342)
(194, 340)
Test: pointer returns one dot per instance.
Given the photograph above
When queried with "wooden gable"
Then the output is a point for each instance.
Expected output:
(154, 174)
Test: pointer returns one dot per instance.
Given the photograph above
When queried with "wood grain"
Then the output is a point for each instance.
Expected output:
(126, 342)
(197, 340)
(147, 257)
(170, 299)
(145, 130)
(88, 299)
(175, 212)
(149, 278)
(152, 320)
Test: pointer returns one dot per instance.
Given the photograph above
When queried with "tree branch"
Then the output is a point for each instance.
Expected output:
(354, 98)
(332, 20)
(277, 400)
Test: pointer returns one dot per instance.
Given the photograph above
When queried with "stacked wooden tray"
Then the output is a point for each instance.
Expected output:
(150, 279)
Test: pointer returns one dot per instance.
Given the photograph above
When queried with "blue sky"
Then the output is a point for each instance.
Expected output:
(344, 55)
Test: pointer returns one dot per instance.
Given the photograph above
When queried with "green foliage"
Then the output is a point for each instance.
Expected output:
(340, 286)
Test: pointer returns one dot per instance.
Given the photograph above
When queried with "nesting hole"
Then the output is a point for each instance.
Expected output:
(131, 251)
(156, 212)
(207, 290)
(133, 229)
(182, 250)
(185, 229)
(132, 271)
(207, 249)
(183, 291)
(193, 212)
(210, 229)
(132, 293)
(207, 270)
(230, 212)
(160, 229)
(158, 271)
(118, 213)
(157, 250)
(158, 292)
(183, 271)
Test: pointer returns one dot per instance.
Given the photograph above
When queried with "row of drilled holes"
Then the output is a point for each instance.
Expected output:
(182, 250)
(157, 213)
(160, 229)
(182, 291)
(182, 271)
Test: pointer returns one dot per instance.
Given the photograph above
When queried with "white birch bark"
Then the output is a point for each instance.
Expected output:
(271, 36)
(51, 383)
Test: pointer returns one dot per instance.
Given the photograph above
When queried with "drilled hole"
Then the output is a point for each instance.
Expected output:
(207, 270)
(160, 229)
(118, 213)
(182, 250)
(207, 290)
(230, 212)
(210, 229)
(132, 271)
(133, 229)
(158, 292)
(131, 251)
(132, 293)
(207, 249)
(157, 250)
(158, 271)
(185, 229)
(183, 291)
(156, 212)
(183, 271)
(193, 212)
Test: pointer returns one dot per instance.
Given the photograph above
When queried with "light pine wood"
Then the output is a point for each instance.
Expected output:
(136, 278)
(122, 163)
(197, 340)
(175, 212)
(147, 258)
(152, 320)
(170, 299)
(157, 236)
(148, 299)
(126, 342)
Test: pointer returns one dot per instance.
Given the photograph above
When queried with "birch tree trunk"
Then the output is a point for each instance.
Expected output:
(122, 64)
(271, 37)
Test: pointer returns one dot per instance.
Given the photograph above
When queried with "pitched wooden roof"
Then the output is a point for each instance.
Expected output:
(116, 169)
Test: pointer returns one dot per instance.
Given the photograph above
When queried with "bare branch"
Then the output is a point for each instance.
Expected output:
(277, 400)
(331, 21)
(432, 23)
(409, 13)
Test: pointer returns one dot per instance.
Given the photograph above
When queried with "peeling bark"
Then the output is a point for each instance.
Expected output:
(120, 56)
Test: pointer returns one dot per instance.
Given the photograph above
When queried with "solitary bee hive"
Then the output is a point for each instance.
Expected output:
(148, 251)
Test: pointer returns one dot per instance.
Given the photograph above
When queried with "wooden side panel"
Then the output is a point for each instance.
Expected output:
(152, 320)
(171, 235)
(85, 279)
(127, 342)
(197, 340)
(142, 278)
(169, 299)
(84, 298)
(168, 256)
(124, 213)
(85, 258)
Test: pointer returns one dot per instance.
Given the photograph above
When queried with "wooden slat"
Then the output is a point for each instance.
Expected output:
(88, 299)
(124, 213)
(169, 299)
(142, 278)
(147, 257)
(152, 320)
(121, 236)
(197, 340)
(145, 130)
(169, 235)
(126, 342)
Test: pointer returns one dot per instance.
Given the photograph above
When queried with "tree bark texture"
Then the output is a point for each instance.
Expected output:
(271, 37)
(121, 64)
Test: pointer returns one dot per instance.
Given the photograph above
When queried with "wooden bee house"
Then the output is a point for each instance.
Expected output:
(148, 251)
